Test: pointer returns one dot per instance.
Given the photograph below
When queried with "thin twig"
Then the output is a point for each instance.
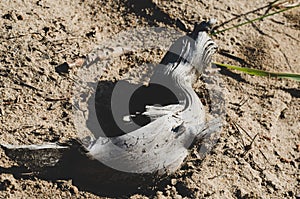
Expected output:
(256, 19)
(252, 11)
(235, 125)
(248, 147)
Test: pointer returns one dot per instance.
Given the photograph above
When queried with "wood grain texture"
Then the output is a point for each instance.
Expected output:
(160, 146)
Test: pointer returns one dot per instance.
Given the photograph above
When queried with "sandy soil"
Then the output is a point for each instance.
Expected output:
(261, 161)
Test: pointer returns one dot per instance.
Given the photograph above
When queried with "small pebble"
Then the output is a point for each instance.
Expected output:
(173, 181)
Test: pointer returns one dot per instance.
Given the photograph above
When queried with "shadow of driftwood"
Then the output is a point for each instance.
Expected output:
(152, 13)
(229, 73)
(90, 175)
(293, 91)
(74, 163)
(230, 56)
(114, 100)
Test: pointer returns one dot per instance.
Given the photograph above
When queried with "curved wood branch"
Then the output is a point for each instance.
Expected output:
(159, 147)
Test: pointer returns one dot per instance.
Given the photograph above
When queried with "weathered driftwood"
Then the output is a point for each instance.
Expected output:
(158, 147)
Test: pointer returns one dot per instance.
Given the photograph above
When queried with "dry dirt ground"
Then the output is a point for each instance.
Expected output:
(257, 154)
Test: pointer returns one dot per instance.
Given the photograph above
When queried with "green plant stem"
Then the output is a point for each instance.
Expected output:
(256, 19)
(257, 72)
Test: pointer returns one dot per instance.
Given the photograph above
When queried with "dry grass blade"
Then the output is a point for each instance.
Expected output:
(257, 72)
(285, 8)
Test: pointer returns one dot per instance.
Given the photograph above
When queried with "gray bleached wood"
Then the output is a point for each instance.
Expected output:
(162, 145)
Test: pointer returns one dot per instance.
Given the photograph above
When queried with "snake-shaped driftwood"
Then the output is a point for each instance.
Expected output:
(158, 147)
